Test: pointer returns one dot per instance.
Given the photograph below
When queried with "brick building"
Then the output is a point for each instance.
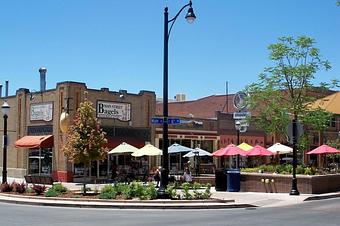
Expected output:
(35, 138)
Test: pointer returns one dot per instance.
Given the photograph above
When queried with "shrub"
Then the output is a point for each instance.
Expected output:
(51, 193)
(289, 168)
(309, 171)
(250, 170)
(119, 187)
(56, 190)
(186, 193)
(6, 187)
(197, 194)
(136, 189)
(29, 190)
(171, 190)
(108, 192)
(207, 193)
(39, 189)
(59, 188)
(300, 169)
(127, 192)
(19, 187)
(149, 193)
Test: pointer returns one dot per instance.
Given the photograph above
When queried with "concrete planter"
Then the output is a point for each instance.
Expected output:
(276, 183)
(263, 182)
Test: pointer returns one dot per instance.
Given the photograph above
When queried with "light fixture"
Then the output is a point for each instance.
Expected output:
(190, 17)
(5, 108)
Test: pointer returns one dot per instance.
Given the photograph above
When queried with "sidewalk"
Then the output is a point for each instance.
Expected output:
(220, 200)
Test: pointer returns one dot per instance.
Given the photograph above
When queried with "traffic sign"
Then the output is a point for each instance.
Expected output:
(299, 131)
(157, 120)
(174, 121)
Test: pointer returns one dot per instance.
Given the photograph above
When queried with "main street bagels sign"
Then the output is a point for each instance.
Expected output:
(114, 110)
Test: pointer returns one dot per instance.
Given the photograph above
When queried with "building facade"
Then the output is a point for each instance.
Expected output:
(35, 138)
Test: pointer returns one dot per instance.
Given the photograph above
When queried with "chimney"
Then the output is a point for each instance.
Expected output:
(42, 72)
(6, 93)
(0, 91)
(180, 97)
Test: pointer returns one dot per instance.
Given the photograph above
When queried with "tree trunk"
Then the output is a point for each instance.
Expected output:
(84, 181)
(322, 158)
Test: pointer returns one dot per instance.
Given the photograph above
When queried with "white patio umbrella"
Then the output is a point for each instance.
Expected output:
(197, 152)
(280, 149)
(148, 150)
(123, 148)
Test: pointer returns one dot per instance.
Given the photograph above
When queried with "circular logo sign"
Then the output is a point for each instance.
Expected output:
(240, 100)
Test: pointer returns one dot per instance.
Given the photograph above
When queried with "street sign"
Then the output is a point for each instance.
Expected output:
(241, 115)
(174, 121)
(157, 120)
(171, 121)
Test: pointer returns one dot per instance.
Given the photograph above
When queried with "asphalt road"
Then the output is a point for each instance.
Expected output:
(323, 213)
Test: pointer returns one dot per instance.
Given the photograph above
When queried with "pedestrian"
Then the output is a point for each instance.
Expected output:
(157, 176)
(187, 177)
(114, 172)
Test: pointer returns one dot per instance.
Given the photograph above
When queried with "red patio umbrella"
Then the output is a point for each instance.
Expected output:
(323, 149)
(259, 151)
(231, 149)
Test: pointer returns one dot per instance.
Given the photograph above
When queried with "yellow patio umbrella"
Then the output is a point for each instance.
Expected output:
(244, 146)
(148, 150)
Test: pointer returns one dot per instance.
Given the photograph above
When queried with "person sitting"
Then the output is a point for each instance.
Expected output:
(187, 177)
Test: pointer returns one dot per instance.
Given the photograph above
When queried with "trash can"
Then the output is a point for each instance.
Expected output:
(233, 180)
(220, 180)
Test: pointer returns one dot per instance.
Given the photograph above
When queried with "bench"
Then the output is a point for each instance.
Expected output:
(39, 179)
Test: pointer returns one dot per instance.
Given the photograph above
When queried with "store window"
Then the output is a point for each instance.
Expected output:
(40, 161)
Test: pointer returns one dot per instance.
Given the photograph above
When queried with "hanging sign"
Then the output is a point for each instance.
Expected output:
(116, 110)
(41, 112)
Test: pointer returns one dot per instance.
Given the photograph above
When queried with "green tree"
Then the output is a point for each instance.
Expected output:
(335, 143)
(319, 120)
(283, 89)
(85, 139)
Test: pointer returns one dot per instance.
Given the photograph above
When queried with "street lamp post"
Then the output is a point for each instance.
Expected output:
(5, 110)
(190, 17)
(238, 127)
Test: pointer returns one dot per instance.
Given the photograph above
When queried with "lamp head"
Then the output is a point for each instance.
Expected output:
(190, 17)
(237, 125)
(5, 108)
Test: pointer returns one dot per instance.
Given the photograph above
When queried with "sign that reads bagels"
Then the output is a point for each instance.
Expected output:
(116, 110)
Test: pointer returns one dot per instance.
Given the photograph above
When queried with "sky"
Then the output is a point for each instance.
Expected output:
(118, 44)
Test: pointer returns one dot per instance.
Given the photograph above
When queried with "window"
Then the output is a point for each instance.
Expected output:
(333, 122)
(40, 161)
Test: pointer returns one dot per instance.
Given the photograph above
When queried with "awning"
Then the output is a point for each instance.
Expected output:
(113, 142)
(35, 142)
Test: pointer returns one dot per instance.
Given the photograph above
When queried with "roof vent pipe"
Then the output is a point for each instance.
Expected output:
(0, 91)
(6, 93)
(42, 72)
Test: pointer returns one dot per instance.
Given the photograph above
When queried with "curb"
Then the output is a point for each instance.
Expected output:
(155, 204)
(322, 197)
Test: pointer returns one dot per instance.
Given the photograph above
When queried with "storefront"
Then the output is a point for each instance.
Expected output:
(36, 139)
(40, 153)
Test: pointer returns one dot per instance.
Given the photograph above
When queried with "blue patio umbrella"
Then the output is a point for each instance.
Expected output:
(178, 149)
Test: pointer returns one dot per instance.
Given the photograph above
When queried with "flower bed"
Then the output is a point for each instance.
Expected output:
(119, 191)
